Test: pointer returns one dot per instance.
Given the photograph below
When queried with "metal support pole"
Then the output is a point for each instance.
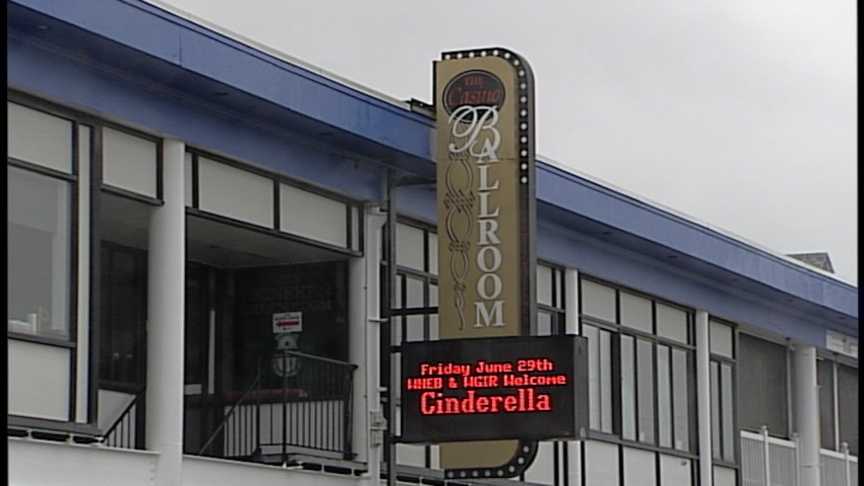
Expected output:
(703, 399)
(807, 414)
(389, 292)
(766, 455)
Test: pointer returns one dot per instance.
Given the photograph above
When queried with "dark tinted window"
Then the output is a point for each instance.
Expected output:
(825, 379)
(847, 406)
(763, 389)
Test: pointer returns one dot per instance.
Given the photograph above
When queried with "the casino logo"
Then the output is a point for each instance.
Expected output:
(473, 88)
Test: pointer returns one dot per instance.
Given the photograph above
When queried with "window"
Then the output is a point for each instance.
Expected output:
(550, 300)
(763, 389)
(838, 405)
(416, 286)
(722, 371)
(48, 259)
(641, 364)
(847, 406)
(39, 253)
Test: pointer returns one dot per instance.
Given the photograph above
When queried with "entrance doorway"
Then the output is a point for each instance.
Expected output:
(266, 344)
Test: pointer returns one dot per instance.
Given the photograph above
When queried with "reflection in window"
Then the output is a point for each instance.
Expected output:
(38, 255)
(628, 389)
(645, 390)
(664, 396)
(599, 378)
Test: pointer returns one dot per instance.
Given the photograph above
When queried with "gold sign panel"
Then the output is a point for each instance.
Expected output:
(486, 203)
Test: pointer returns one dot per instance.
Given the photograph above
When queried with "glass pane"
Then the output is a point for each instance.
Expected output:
(825, 377)
(636, 312)
(329, 223)
(764, 385)
(544, 285)
(39, 138)
(680, 398)
(721, 339)
(847, 401)
(409, 246)
(592, 334)
(414, 296)
(628, 389)
(433, 318)
(664, 399)
(598, 301)
(129, 162)
(606, 381)
(601, 464)
(671, 323)
(726, 400)
(675, 471)
(38, 254)
(544, 323)
(645, 389)
(433, 253)
(715, 409)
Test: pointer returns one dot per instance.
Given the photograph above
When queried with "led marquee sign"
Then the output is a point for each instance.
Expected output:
(529, 388)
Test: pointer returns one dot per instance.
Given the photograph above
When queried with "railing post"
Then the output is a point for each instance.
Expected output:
(797, 458)
(347, 426)
(846, 469)
(766, 455)
(258, 378)
(284, 411)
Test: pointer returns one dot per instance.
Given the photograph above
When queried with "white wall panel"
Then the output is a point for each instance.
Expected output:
(38, 380)
(39, 138)
(542, 470)
(675, 471)
(42, 463)
(316, 217)
(129, 162)
(111, 405)
(639, 467)
(201, 471)
(601, 464)
(235, 193)
(723, 476)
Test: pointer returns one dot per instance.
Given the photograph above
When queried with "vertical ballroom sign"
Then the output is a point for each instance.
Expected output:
(484, 102)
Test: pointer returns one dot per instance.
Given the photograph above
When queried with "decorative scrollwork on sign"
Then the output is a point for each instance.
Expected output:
(459, 202)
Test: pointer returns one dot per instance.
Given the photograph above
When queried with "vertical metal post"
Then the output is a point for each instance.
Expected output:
(766, 455)
(284, 411)
(389, 293)
(703, 399)
(846, 469)
(797, 443)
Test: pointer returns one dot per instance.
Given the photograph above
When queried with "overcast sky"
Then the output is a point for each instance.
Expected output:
(740, 113)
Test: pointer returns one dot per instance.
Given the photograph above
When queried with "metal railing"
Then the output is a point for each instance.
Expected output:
(767, 460)
(297, 404)
(127, 432)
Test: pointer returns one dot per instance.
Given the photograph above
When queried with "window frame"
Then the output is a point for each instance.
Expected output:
(618, 330)
(355, 243)
(77, 120)
(733, 363)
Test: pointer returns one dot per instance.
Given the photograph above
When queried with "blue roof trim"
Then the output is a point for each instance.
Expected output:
(577, 195)
(160, 34)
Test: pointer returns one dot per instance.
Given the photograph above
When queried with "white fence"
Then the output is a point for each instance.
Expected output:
(769, 461)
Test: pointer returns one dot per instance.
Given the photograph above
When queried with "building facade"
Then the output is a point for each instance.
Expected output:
(196, 253)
